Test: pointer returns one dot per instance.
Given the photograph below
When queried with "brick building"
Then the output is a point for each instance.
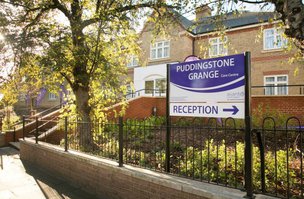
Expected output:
(43, 101)
(205, 37)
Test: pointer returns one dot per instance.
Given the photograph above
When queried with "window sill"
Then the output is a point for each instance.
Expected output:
(132, 66)
(159, 59)
(273, 50)
(215, 56)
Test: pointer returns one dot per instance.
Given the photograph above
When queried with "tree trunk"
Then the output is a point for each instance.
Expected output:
(81, 77)
(84, 125)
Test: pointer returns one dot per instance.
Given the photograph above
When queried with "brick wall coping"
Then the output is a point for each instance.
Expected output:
(276, 96)
(201, 189)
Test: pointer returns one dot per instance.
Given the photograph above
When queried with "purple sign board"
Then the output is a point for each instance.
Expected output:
(208, 88)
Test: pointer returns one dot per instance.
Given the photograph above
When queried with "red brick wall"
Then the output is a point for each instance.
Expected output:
(291, 105)
(141, 107)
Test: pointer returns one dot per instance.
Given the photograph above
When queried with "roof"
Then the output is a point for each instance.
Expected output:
(229, 20)
(184, 22)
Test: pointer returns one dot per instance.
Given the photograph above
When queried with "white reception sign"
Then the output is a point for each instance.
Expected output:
(208, 88)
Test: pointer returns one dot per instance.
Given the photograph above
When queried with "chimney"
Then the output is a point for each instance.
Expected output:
(202, 11)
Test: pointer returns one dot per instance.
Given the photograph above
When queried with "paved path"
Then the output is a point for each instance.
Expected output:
(19, 180)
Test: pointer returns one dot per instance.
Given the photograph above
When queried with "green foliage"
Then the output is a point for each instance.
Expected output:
(262, 112)
(209, 164)
(84, 44)
(9, 118)
(225, 165)
(215, 160)
(7, 123)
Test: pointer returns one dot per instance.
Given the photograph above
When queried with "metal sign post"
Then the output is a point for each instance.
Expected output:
(168, 123)
(216, 87)
(248, 137)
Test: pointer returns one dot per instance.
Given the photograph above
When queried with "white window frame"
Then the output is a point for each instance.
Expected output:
(218, 41)
(158, 90)
(52, 96)
(155, 90)
(276, 83)
(160, 46)
(277, 33)
(132, 61)
(151, 90)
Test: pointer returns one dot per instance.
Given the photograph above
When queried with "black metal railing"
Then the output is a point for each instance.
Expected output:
(38, 128)
(30, 118)
(208, 150)
(48, 111)
(281, 158)
(146, 92)
(288, 89)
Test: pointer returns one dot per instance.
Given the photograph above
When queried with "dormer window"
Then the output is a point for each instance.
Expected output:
(273, 39)
(160, 50)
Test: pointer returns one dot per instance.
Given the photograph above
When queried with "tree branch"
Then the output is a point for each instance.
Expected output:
(13, 3)
(254, 2)
(97, 6)
(67, 78)
(62, 8)
(144, 5)
(36, 19)
(129, 7)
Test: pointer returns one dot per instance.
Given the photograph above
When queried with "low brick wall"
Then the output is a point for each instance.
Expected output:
(141, 108)
(105, 179)
(290, 105)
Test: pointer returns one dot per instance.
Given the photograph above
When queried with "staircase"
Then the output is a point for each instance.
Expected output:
(44, 125)
(41, 125)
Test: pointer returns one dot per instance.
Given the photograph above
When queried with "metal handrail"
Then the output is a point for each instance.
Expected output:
(162, 92)
(137, 93)
(40, 115)
(287, 85)
(44, 124)
(47, 111)
(301, 86)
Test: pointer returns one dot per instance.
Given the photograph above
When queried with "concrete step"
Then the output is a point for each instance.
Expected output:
(15, 145)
